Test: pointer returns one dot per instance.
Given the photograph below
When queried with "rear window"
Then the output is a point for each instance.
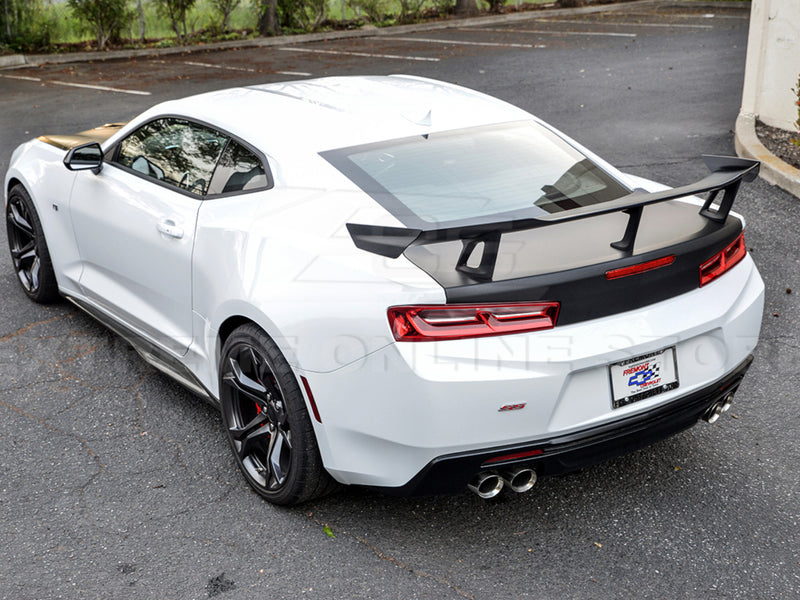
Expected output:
(476, 175)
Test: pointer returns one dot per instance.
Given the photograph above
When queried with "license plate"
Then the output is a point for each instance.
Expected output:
(643, 377)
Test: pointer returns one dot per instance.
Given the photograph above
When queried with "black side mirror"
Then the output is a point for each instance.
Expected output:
(85, 157)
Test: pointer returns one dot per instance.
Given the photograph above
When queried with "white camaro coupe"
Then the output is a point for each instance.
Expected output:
(395, 282)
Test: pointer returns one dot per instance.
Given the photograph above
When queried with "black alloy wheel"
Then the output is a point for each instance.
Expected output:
(29, 252)
(267, 422)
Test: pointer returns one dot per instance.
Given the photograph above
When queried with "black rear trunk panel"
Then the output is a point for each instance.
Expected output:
(567, 262)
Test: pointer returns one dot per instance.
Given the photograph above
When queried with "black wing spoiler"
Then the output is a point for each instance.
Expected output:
(727, 173)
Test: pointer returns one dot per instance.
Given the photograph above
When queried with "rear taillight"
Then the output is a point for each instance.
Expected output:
(723, 261)
(459, 321)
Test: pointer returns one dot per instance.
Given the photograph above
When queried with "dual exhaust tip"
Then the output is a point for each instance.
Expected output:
(722, 406)
(488, 484)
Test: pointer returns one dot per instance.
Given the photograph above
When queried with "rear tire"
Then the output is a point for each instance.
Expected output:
(266, 420)
(29, 253)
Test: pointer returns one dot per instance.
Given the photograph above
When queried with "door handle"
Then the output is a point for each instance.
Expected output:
(168, 227)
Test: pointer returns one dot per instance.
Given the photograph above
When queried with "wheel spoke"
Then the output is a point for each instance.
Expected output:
(20, 222)
(276, 451)
(253, 390)
(24, 252)
(251, 429)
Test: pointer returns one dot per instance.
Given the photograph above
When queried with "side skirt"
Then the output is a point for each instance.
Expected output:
(150, 353)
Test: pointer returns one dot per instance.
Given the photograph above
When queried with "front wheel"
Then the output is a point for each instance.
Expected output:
(265, 416)
(29, 252)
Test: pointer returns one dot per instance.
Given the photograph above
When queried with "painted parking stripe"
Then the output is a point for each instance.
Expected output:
(464, 43)
(22, 77)
(365, 54)
(102, 88)
(679, 16)
(296, 73)
(620, 24)
(550, 32)
(213, 66)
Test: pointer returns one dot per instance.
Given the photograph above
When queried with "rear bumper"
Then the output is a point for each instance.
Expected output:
(452, 473)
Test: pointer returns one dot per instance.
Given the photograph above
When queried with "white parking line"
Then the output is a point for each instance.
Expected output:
(212, 66)
(463, 43)
(101, 88)
(680, 16)
(550, 32)
(619, 24)
(365, 54)
(22, 77)
(297, 73)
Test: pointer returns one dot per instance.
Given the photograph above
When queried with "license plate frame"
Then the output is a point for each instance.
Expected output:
(643, 377)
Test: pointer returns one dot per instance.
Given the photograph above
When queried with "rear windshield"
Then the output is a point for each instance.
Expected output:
(476, 175)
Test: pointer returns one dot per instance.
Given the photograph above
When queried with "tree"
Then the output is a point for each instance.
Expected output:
(268, 17)
(224, 8)
(465, 8)
(105, 18)
(23, 25)
(176, 11)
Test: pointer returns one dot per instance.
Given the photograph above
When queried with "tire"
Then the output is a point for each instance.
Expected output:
(29, 253)
(266, 421)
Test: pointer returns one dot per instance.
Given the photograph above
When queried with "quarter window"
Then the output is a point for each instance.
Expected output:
(239, 170)
(175, 151)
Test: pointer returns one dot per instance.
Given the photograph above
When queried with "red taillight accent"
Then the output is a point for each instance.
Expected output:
(723, 261)
(641, 267)
(516, 456)
(311, 400)
(459, 321)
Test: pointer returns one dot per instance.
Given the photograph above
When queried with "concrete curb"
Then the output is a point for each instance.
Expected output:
(773, 169)
(34, 60)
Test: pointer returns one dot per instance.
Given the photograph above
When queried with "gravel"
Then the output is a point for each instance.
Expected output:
(778, 141)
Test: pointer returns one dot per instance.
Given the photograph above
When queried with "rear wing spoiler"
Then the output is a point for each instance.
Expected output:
(726, 174)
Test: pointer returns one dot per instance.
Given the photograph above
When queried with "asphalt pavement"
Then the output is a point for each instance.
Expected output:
(116, 483)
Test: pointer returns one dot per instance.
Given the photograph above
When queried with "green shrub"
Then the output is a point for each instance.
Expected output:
(104, 18)
(176, 11)
(373, 10)
(24, 26)
(301, 15)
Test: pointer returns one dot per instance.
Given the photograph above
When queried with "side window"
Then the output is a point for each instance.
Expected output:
(239, 170)
(178, 152)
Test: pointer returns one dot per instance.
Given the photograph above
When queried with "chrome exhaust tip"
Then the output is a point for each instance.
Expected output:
(519, 480)
(486, 485)
(727, 401)
(713, 413)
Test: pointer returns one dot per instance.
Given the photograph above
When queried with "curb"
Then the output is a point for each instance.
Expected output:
(773, 169)
(34, 60)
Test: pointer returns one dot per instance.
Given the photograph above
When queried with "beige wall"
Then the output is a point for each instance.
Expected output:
(773, 62)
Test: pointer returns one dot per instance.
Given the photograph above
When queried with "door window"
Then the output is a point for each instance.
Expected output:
(174, 151)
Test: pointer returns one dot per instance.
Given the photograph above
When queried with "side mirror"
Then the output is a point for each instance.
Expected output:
(85, 157)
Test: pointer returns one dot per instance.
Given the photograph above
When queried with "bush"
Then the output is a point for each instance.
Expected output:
(571, 3)
(104, 18)
(176, 11)
(410, 10)
(373, 10)
(223, 10)
(24, 26)
(301, 15)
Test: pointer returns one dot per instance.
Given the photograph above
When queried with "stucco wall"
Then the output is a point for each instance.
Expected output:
(773, 62)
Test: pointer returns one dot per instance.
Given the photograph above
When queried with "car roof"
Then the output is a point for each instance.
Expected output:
(334, 112)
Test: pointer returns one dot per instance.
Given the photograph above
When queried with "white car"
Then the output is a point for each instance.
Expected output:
(395, 282)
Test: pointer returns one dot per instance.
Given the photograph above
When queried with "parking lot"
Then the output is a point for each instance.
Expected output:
(117, 483)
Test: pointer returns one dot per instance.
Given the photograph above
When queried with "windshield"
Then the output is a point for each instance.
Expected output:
(476, 175)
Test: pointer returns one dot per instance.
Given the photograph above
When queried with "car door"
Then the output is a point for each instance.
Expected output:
(135, 226)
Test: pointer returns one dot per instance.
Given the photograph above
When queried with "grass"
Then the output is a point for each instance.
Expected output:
(66, 29)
